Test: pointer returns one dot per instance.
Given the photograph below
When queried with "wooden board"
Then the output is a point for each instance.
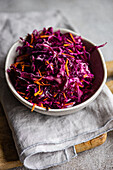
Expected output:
(8, 154)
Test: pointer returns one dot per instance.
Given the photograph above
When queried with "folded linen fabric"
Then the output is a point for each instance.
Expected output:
(44, 141)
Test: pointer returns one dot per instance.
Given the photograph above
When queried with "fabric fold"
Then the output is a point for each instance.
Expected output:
(43, 141)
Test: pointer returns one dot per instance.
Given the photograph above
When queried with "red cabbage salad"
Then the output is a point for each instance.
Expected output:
(52, 69)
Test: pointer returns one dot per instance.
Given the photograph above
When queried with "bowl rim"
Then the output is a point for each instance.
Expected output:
(77, 107)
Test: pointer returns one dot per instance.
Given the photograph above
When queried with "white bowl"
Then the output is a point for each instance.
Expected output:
(97, 65)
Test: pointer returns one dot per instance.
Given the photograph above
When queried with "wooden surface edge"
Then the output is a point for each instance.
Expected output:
(91, 143)
(79, 148)
(11, 164)
(109, 66)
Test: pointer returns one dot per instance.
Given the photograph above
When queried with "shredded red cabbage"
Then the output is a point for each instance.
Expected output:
(52, 69)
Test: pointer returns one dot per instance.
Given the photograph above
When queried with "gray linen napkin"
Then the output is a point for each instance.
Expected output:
(45, 141)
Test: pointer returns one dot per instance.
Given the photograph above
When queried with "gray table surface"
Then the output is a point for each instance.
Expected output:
(94, 20)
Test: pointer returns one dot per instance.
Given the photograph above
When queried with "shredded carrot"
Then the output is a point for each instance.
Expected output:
(68, 55)
(64, 95)
(81, 86)
(47, 61)
(69, 41)
(55, 94)
(17, 63)
(44, 36)
(40, 78)
(41, 93)
(72, 38)
(85, 75)
(52, 65)
(20, 93)
(45, 99)
(66, 67)
(43, 84)
(42, 105)
(39, 72)
(22, 67)
(27, 65)
(35, 94)
(65, 45)
(39, 87)
(69, 103)
(31, 46)
(57, 102)
(26, 97)
(31, 38)
(37, 82)
(34, 104)
(38, 92)
(84, 47)
(71, 93)
(70, 51)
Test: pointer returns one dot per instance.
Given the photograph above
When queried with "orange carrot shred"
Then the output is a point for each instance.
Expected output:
(40, 78)
(69, 41)
(20, 93)
(52, 65)
(22, 67)
(34, 104)
(31, 38)
(55, 94)
(35, 94)
(66, 67)
(37, 82)
(39, 72)
(38, 92)
(85, 76)
(72, 38)
(57, 102)
(69, 103)
(70, 51)
(47, 61)
(43, 84)
(44, 36)
(84, 47)
(45, 99)
(42, 106)
(80, 86)
(64, 95)
(41, 93)
(39, 88)
(27, 65)
(17, 63)
(65, 45)
(31, 46)
(68, 55)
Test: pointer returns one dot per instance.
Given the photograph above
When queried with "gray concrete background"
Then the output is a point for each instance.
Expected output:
(94, 20)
